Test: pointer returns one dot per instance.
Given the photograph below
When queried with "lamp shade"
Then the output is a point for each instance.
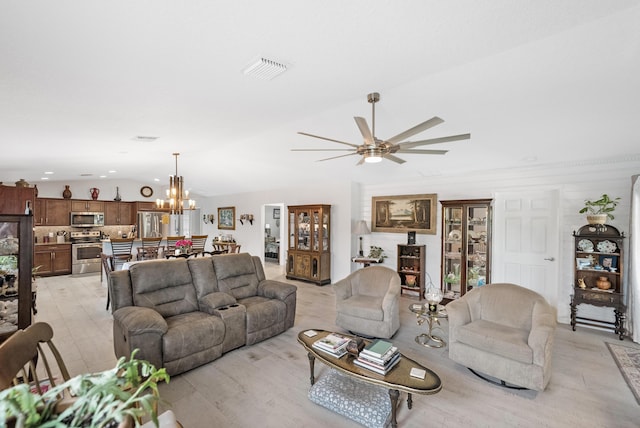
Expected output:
(361, 228)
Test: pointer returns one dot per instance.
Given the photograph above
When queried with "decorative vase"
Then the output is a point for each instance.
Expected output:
(94, 193)
(596, 218)
(66, 193)
(117, 198)
(603, 283)
(433, 296)
(22, 183)
(35, 189)
(581, 283)
(410, 280)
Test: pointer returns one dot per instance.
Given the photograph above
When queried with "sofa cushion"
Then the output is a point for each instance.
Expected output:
(203, 276)
(191, 333)
(263, 312)
(164, 286)
(360, 306)
(236, 275)
(497, 339)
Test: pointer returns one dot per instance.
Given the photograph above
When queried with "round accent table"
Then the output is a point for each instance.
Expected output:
(423, 314)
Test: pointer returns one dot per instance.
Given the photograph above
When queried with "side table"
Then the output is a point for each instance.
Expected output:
(366, 261)
(423, 314)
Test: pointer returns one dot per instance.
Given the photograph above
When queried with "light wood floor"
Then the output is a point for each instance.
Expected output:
(266, 384)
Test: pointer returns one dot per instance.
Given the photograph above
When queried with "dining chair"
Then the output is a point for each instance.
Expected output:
(149, 248)
(234, 248)
(121, 251)
(171, 243)
(198, 243)
(220, 249)
(20, 353)
(107, 268)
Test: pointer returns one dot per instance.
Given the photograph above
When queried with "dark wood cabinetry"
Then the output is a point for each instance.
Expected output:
(52, 212)
(78, 205)
(53, 259)
(466, 245)
(13, 200)
(309, 255)
(16, 256)
(598, 280)
(412, 269)
(117, 213)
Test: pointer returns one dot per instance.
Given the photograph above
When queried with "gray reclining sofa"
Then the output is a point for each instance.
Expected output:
(183, 313)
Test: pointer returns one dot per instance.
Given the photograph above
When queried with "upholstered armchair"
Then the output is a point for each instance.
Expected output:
(367, 302)
(504, 331)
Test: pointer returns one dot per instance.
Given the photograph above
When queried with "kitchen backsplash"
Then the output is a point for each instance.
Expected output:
(39, 232)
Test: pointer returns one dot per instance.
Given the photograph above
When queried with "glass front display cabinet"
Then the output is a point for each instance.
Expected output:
(309, 246)
(466, 245)
(16, 262)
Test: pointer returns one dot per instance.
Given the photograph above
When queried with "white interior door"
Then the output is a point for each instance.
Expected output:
(525, 244)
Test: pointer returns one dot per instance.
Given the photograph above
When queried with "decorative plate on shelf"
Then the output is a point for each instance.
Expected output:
(607, 247)
(585, 245)
(455, 235)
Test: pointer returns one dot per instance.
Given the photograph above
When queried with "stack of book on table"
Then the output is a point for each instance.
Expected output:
(333, 344)
(379, 356)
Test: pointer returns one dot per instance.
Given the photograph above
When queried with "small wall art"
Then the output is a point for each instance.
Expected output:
(227, 218)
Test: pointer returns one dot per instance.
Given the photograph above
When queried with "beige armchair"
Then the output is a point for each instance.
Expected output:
(367, 302)
(504, 331)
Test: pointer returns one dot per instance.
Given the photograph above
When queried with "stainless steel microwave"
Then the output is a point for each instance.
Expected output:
(85, 219)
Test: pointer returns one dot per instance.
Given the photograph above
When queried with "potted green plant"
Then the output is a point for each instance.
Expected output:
(113, 398)
(376, 252)
(600, 210)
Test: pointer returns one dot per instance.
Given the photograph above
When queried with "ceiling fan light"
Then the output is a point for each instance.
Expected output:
(372, 158)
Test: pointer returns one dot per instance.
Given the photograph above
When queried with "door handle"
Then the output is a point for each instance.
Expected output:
(550, 259)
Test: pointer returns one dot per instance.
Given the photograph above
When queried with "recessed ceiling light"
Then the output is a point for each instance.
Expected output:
(103, 176)
(156, 179)
(44, 178)
(265, 69)
(113, 171)
(145, 138)
(48, 172)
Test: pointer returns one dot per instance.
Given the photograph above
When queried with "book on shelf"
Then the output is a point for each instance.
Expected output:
(377, 348)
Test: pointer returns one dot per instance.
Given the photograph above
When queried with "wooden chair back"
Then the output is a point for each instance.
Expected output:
(171, 243)
(234, 248)
(198, 242)
(149, 248)
(121, 251)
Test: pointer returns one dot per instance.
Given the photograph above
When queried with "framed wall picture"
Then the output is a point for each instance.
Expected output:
(227, 218)
(276, 213)
(608, 262)
(404, 213)
(584, 262)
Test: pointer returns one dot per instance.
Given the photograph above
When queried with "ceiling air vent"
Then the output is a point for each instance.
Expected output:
(144, 138)
(265, 69)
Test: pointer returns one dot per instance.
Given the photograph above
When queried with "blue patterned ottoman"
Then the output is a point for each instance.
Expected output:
(364, 403)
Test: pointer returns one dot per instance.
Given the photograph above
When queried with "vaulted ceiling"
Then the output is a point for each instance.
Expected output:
(534, 82)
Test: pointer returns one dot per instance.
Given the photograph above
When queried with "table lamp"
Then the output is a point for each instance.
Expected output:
(361, 229)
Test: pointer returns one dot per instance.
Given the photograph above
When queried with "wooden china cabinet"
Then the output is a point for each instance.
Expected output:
(598, 275)
(466, 245)
(309, 243)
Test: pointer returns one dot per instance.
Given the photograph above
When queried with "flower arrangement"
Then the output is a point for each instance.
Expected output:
(184, 243)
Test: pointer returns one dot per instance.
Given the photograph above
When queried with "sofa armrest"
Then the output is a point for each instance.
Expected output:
(342, 289)
(276, 289)
(458, 314)
(138, 320)
(543, 327)
(215, 300)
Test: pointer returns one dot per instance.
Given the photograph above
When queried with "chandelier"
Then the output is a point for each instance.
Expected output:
(176, 195)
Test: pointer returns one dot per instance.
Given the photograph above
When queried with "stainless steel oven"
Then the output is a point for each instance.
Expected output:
(85, 252)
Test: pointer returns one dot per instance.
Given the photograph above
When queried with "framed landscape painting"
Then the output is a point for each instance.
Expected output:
(227, 218)
(404, 213)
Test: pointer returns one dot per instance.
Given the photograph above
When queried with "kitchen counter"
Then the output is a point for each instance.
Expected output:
(52, 243)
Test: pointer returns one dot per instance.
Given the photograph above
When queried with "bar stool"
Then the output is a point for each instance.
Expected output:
(121, 251)
(198, 242)
(149, 248)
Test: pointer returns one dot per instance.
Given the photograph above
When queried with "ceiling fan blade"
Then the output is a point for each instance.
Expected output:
(328, 139)
(361, 161)
(322, 150)
(394, 158)
(422, 152)
(409, 144)
(416, 129)
(336, 157)
(364, 129)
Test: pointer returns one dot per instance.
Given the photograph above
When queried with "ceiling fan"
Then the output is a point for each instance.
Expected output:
(374, 149)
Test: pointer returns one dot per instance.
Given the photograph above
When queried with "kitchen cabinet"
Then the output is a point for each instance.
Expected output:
(466, 245)
(118, 213)
(13, 200)
(53, 259)
(598, 275)
(309, 245)
(78, 205)
(16, 257)
(412, 269)
(52, 212)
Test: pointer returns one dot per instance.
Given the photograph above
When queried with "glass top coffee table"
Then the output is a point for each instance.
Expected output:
(398, 379)
(423, 314)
